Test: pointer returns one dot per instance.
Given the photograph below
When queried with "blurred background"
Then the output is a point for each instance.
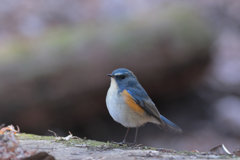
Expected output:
(55, 56)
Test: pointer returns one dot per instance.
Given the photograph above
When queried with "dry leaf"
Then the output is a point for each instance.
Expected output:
(9, 145)
(195, 151)
(70, 136)
(9, 128)
(237, 152)
(221, 149)
(40, 156)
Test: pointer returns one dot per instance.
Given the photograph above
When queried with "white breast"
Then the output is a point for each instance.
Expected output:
(119, 110)
(114, 102)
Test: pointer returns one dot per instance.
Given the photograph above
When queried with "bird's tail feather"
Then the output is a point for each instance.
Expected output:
(170, 125)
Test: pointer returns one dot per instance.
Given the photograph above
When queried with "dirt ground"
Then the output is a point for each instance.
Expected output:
(76, 149)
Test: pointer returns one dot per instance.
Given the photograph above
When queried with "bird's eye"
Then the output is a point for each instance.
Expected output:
(122, 76)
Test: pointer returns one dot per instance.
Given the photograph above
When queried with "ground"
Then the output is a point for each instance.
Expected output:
(91, 150)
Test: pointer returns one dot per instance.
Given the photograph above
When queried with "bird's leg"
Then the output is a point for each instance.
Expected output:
(125, 138)
(135, 139)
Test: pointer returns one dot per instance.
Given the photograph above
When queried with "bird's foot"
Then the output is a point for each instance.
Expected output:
(121, 143)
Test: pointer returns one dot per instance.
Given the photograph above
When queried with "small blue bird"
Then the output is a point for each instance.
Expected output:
(129, 104)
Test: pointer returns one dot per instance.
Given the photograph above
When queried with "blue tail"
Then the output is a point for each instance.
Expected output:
(171, 126)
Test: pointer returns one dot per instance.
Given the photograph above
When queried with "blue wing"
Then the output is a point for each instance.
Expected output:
(141, 97)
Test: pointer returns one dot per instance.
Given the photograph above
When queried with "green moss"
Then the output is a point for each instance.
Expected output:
(102, 146)
(92, 144)
(24, 136)
(85, 143)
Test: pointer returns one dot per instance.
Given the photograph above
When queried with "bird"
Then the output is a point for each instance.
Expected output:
(129, 104)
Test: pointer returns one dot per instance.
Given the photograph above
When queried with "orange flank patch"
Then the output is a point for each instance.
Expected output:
(131, 103)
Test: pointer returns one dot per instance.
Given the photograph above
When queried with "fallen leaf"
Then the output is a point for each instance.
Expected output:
(9, 128)
(40, 156)
(195, 151)
(10, 147)
(67, 138)
(221, 149)
(237, 152)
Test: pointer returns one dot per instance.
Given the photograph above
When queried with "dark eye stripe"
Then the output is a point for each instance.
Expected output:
(122, 77)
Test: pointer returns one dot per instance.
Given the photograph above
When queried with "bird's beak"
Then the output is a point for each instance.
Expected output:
(110, 75)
